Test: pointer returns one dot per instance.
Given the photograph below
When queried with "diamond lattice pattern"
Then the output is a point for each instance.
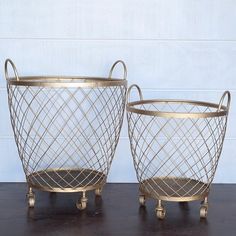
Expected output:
(175, 157)
(66, 129)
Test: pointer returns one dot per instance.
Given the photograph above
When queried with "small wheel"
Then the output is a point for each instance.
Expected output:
(161, 213)
(82, 204)
(31, 201)
(98, 191)
(203, 212)
(142, 200)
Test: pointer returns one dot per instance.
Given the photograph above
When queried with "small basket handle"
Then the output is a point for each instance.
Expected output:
(139, 91)
(9, 61)
(113, 66)
(226, 93)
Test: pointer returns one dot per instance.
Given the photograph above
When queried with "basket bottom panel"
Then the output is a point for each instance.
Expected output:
(67, 180)
(174, 189)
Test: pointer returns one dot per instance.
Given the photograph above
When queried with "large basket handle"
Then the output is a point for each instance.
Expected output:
(114, 65)
(226, 93)
(9, 61)
(139, 91)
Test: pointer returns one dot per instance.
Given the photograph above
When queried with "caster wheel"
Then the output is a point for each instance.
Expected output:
(203, 212)
(142, 200)
(82, 204)
(161, 213)
(31, 201)
(98, 191)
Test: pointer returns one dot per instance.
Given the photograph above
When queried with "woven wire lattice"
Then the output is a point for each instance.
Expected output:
(66, 136)
(175, 157)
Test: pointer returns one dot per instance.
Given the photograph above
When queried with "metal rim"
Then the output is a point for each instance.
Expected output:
(221, 110)
(66, 81)
(67, 190)
(131, 108)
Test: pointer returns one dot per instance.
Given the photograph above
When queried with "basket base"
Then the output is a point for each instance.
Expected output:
(67, 180)
(174, 189)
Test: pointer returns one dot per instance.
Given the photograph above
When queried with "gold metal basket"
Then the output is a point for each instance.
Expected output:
(176, 145)
(66, 129)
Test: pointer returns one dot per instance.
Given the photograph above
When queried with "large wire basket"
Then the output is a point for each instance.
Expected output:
(66, 129)
(176, 145)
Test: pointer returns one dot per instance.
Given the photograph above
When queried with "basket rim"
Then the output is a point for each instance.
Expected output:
(130, 107)
(66, 81)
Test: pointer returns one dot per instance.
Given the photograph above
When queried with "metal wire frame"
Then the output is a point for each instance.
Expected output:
(176, 145)
(66, 128)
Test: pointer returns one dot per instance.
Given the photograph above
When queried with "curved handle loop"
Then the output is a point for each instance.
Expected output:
(226, 93)
(13, 67)
(113, 66)
(139, 91)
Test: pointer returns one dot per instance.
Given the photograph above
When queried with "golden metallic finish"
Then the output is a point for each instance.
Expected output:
(66, 129)
(176, 145)
(65, 81)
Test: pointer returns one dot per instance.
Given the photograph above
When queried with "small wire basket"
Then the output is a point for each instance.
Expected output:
(66, 129)
(176, 145)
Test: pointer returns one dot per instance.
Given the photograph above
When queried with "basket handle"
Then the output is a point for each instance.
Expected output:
(226, 93)
(139, 91)
(9, 61)
(113, 66)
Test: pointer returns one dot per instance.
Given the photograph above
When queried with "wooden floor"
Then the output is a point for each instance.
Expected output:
(116, 213)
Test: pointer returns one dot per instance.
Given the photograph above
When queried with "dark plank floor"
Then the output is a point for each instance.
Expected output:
(116, 213)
